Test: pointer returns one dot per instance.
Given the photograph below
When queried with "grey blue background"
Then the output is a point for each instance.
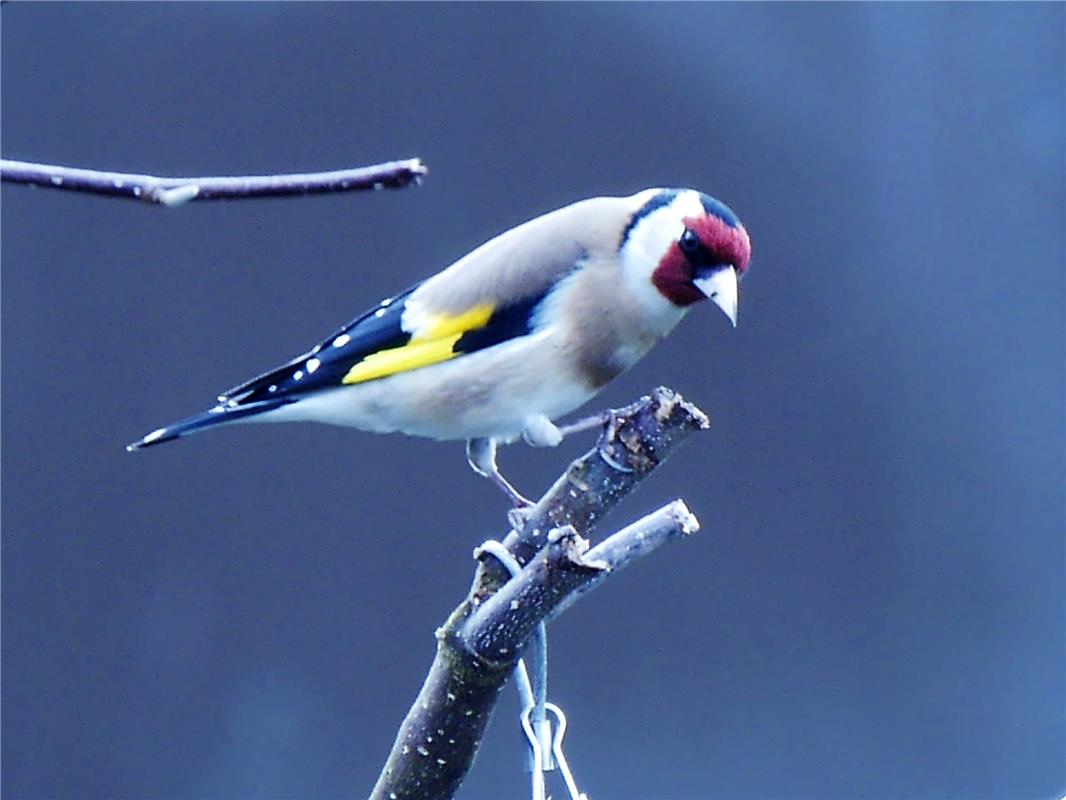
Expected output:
(874, 607)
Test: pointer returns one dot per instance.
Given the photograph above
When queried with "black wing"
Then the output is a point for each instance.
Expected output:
(326, 364)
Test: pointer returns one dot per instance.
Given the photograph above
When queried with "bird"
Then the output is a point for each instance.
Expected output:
(519, 332)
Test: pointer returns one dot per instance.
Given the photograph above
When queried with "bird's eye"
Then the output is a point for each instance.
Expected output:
(690, 242)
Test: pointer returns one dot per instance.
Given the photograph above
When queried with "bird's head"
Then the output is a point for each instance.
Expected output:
(686, 245)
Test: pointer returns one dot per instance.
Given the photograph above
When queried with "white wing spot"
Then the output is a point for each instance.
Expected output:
(379, 313)
(312, 365)
(386, 302)
(342, 340)
(154, 435)
(298, 375)
(272, 388)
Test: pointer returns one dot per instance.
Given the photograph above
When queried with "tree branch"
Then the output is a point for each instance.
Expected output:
(480, 643)
(178, 191)
(635, 440)
(559, 575)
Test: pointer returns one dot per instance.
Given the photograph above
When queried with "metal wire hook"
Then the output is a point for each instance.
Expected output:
(557, 752)
(545, 749)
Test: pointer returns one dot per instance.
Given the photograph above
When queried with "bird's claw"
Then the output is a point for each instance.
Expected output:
(518, 516)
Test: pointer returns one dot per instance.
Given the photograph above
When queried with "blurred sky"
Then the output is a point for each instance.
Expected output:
(875, 606)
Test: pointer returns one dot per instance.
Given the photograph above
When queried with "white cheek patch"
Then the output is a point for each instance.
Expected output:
(649, 240)
(652, 237)
(655, 233)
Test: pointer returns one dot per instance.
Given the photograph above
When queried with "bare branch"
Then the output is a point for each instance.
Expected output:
(631, 543)
(178, 191)
(559, 575)
(635, 440)
(479, 645)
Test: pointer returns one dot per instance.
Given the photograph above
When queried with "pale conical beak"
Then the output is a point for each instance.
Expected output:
(720, 287)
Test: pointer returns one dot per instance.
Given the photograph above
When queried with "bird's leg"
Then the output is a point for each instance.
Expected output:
(541, 432)
(481, 453)
(588, 423)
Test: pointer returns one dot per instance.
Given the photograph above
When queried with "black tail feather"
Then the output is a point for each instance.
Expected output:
(219, 415)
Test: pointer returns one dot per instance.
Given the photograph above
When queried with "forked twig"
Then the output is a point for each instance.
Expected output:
(480, 643)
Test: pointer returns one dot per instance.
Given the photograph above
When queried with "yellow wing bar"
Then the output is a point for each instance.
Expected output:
(429, 346)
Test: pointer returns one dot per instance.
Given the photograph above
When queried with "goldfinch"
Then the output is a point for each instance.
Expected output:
(517, 333)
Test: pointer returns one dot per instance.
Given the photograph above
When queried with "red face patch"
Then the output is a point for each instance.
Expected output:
(723, 244)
